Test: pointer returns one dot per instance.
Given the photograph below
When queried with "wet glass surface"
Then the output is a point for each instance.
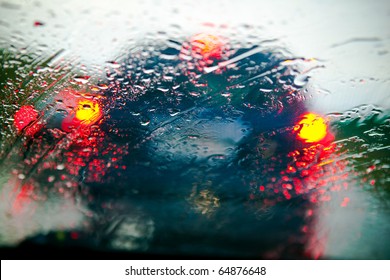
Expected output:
(206, 128)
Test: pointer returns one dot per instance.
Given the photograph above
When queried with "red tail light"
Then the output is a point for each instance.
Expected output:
(25, 118)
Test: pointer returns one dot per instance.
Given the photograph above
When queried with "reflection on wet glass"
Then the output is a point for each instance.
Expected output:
(213, 139)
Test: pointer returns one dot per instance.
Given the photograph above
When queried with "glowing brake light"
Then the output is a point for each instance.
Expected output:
(311, 128)
(207, 45)
(24, 117)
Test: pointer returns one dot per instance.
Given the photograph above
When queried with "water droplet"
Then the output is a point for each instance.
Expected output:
(148, 71)
(60, 167)
(301, 80)
(113, 64)
(82, 79)
(163, 89)
(173, 112)
(145, 122)
(38, 23)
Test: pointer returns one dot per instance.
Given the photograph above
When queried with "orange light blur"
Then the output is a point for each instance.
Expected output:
(88, 111)
(207, 45)
(311, 128)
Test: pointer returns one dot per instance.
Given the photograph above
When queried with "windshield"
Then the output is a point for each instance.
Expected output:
(210, 128)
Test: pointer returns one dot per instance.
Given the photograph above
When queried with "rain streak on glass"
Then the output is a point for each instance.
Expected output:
(202, 128)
